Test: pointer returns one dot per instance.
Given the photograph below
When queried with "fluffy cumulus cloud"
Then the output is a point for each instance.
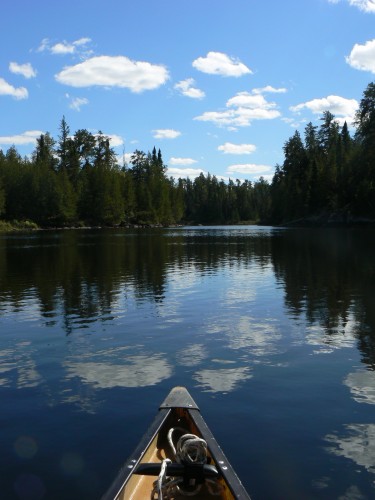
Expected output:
(28, 137)
(248, 168)
(118, 71)
(217, 63)
(188, 89)
(181, 161)
(8, 89)
(237, 149)
(243, 108)
(115, 140)
(25, 70)
(183, 173)
(362, 57)
(249, 101)
(364, 5)
(270, 89)
(343, 109)
(125, 158)
(165, 133)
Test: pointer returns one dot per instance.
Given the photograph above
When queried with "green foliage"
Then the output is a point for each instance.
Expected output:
(331, 172)
(77, 180)
(16, 225)
(2, 197)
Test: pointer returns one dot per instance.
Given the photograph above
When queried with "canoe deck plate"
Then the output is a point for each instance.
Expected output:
(179, 397)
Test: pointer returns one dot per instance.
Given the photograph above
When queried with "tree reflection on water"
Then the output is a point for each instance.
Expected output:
(328, 276)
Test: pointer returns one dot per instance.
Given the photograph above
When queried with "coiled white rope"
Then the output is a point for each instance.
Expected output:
(190, 449)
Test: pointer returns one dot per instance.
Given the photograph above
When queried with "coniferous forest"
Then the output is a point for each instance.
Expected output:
(76, 180)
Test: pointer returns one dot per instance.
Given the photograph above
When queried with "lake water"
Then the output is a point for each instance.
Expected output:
(271, 330)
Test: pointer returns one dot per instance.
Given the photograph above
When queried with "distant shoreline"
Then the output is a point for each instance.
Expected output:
(327, 220)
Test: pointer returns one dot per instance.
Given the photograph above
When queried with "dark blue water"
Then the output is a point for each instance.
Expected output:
(271, 330)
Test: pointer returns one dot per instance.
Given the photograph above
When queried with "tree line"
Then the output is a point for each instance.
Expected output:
(328, 171)
(77, 179)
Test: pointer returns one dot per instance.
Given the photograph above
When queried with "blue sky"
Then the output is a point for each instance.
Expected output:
(217, 85)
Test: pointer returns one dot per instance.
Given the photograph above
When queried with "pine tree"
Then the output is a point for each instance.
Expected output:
(2, 197)
(365, 136)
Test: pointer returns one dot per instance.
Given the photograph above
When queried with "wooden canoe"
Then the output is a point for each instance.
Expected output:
(139, 476)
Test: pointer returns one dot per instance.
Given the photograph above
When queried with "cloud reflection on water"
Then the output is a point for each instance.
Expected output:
(342, 336)
(192, 355)
(17, 363)
(362, 386)
(134, 371)
(358, 445)
(260, 337)
(222, 379)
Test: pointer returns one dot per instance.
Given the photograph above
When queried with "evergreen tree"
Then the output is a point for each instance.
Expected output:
(63, 145)
(2, 197)
(85, 142)
(16, 175)
(296, 170)
(328, 137)
(44, 153)
(365, 168)
(262, 199)
(67, 200)
(314, 169)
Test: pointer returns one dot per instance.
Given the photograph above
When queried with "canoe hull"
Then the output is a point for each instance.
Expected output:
(178, 410)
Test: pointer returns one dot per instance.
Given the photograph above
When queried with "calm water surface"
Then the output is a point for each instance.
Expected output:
(271, 330)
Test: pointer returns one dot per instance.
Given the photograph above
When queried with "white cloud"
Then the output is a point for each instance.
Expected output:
(64, 47)
(364, 5)
(183, 173)
(125, 158)
(28, 137)
(251, 101)
(244, 108)
(362, 57)
(217, 63)
(8, 89)
(248, 168)
(118, 71)
(269, 89)
(44, 45)
(343, 109)
(82, 41)
(77, 102)
(186, 88)
(268, 178)
(115, 140)
(220, 118)
(181, 161)
(293, 122)
(25, 70)
(237, 149)
(165, 133)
